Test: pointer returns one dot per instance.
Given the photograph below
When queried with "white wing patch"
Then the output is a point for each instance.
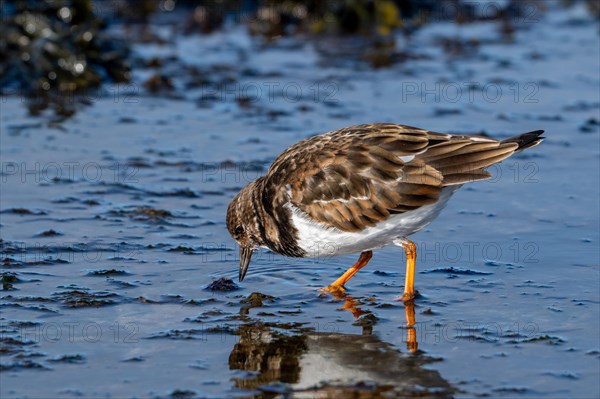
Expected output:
(482, 139)
(342, 200)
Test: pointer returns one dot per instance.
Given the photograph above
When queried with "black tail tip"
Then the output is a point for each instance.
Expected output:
(526, 140)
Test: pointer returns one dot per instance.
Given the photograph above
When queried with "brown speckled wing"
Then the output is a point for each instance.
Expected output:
(355, 177)
(462, 159)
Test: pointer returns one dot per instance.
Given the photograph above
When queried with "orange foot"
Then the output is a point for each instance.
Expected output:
(337, 291)
(408, 296)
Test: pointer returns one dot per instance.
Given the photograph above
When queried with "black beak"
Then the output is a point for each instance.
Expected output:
(245, 256)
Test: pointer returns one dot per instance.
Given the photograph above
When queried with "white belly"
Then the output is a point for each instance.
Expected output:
(318, 240)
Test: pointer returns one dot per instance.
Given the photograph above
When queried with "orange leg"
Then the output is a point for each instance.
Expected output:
(410, 249)
(338, 285)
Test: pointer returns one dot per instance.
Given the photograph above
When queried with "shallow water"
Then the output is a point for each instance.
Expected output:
(113, 228)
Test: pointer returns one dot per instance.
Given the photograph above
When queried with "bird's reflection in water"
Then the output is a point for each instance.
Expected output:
(334, 365)
(354, 306)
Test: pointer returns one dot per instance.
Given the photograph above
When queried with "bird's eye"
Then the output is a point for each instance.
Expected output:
(239, 230)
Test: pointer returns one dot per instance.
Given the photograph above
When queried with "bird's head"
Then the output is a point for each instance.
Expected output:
(244, 225)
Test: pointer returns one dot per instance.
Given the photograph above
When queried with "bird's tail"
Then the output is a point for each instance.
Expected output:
(526, 140)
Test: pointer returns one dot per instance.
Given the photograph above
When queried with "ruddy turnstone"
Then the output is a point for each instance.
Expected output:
(360, 188)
